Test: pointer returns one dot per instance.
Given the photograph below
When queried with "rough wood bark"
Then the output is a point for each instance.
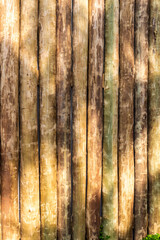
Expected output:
(80, 53)
(9, 117)
(141, 80)
(154, 118)
(110, 140)
(126, 120)
(63, 118)
(48, 159)
(29, 175)
(95, 116)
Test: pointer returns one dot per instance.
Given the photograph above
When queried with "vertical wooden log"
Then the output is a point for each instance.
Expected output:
(141, 80)
(63, 118)
(154, 118)
(126, 120)
(9, 117)
(48, 159)
(80, 54)
(110, 140)
(95, 116)
(29, 175)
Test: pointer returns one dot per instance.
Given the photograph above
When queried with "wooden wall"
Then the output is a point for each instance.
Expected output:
(80, 119)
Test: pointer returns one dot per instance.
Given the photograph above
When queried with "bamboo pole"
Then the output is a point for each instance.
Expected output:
(80, 53)
(9, 118)
(141, 82)
(63, 118)
(48, 159)
(111, 84)
(95, 115)
(29, 175)
(154, 118)
(126, 120)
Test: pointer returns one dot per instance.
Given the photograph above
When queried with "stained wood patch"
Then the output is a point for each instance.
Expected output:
(63, 118)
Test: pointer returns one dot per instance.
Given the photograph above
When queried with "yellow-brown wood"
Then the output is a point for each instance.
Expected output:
(154, 118)
(95, 116)
(9, 37)
(80, 54)
(29, 174)
(48, 158)
(126, 120)
(63, 118)
(141, 82)
(110, 154)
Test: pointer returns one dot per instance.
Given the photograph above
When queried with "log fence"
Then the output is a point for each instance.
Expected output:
(80, 119)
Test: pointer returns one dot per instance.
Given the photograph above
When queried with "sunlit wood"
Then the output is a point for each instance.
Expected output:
(95, 74)
(126, 120)
(141, 82)
(80, 56)
(9, 42)
(29, 174)
(48, 158)
(154, 118)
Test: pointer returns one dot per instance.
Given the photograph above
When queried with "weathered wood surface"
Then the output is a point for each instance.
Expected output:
(80, 54)
(9, 37)
(63, 117)
(95, 116)
(154, 118)
(48, 158)
(126, 120)
(141, 84)
(110, 154)
(29, 166)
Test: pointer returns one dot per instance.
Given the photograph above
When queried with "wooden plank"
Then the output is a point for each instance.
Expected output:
(141, 84)
(80, 54)
(95, 116)
(110, 154)
(126, 120)
(29, 175)
(48, 158)
(154, 118)
(9, 118)
(63, 117)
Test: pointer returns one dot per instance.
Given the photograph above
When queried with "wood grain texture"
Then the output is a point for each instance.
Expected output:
(9, 37)
(154, 118)
(48, 158)
(141, 84)
(29, 174)
(80, 54)
(96, 48)
(126, 120)
(110, 140)
(63, 118)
